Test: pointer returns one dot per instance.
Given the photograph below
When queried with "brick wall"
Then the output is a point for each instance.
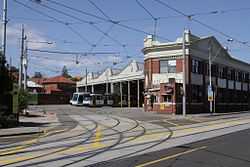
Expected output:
(179, 65)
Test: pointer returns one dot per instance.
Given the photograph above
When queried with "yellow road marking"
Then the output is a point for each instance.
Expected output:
(73, 150)
(17, 149)
(97, 141)
(14, 159)
(171, 156)
(194, 119)
(17, 159)
(171, 123)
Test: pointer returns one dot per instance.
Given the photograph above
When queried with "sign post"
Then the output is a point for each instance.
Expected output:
(210, 95)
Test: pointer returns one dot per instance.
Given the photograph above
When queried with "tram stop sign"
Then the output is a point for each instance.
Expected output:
(210, 94)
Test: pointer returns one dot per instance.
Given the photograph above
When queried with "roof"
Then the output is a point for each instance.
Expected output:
(32, 84)
(38, 80)
(132, 71)
(51, 89)
(58, 79)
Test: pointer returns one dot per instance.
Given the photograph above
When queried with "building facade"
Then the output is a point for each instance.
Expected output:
(163, 70)
(59, 85)
(126, 84)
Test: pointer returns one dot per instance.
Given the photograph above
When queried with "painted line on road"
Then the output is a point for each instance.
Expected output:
(195, 120)
(28, 143)
(171, 156)
(171, 123)
(98, 137)
(14, 159)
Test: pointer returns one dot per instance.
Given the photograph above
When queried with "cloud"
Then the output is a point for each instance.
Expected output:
(34, 36)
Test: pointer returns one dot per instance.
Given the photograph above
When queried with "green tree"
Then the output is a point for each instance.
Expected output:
(22, 99)
(65, 72)
(38, 75)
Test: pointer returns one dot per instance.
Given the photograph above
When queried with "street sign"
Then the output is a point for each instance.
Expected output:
(210, 93)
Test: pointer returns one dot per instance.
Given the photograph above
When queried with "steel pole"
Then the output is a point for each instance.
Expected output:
(4, 23)
(121, 99)
(138, 93)
(210, 75)
(86, 80)
(20, 81)
(25, 63)
(184, 73)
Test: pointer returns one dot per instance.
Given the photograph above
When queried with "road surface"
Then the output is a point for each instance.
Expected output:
(106, 137)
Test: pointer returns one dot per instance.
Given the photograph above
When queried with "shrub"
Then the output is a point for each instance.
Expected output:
(22, 99)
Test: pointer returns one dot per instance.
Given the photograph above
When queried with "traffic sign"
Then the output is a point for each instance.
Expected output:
(210, 93)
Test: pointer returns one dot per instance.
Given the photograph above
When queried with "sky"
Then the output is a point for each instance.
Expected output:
(57, 28)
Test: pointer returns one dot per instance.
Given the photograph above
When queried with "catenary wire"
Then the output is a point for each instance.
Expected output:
(201, 23)
(107, 20)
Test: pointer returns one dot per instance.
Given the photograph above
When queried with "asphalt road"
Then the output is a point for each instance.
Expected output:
(130, 137)
(232, 150)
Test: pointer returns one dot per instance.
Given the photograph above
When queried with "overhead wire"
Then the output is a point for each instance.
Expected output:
(101, 38)
(116, 22)
(109, 18)
(100, 10)
(41, 66)
(91, 23)
(155, 19)
(213, 12)
(53, 18)
(72, 53)
(201, 23)
(107, 31)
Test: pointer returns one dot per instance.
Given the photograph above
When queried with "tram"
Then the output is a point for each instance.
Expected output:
(87, 99)
(108, 100)
(78, 98)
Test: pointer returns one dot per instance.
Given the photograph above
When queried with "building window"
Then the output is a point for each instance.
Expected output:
(246, 77)
(220, 69)
(224, 73)
(240, 76)
(214, 70)
(167, 98)
(196, 93)
(231, 74)
(195, 66)
(168, 66)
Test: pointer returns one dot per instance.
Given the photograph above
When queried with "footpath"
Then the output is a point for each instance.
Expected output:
(35, 122)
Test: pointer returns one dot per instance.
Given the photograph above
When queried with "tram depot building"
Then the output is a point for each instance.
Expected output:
(159, 85)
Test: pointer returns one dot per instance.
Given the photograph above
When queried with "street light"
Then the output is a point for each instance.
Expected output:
(24, 60)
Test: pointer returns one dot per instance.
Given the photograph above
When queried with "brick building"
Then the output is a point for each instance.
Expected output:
(163, 69)
(59, 85)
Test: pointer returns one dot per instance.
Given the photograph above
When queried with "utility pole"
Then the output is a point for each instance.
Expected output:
(25, 62)
(184, 73)
(20, 83)
(210, 75)
(3, 56)
(86, 79)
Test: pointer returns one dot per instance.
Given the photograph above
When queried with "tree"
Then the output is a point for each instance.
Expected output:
(65, 72)
(38, 75)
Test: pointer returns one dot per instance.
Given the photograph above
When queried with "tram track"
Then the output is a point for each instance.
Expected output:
(92, 131)
(98, 151)
(119, 140)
